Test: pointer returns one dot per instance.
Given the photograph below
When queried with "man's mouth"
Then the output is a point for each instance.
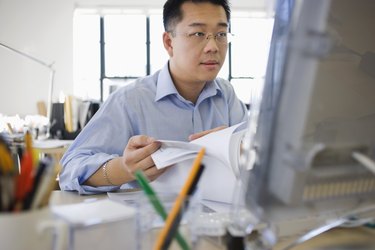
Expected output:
(211, 62)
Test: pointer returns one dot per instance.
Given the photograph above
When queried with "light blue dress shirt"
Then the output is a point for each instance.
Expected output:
(149, 106)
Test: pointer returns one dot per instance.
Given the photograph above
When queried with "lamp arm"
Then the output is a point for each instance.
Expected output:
(49, 66)
(28, 56)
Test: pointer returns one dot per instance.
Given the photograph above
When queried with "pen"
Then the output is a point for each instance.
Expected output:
(25, 179)
(6, 176)
(45, 187)
(158, 206)
(6, 160)
(174, 217)
(40, 171)
(184, 206)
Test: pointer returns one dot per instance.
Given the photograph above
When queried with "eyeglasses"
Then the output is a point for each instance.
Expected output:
(200, 37)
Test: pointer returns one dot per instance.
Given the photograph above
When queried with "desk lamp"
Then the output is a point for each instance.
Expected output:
(44, 64)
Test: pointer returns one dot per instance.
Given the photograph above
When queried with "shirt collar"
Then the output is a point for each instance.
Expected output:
(165, 86)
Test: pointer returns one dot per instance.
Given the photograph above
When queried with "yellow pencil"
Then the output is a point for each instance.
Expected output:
(179, 200)
(6, 160)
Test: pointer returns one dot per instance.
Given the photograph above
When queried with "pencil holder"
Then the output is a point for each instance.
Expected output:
(34, 229)
(150, 219)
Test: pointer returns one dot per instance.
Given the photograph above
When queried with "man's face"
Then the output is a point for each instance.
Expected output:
(193, 59)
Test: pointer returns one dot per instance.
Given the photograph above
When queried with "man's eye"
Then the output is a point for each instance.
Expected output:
(198, 34)
(221, 34)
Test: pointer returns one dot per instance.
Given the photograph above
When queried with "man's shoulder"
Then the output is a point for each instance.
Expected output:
(224, 85)
(139, 84)
(222, 81)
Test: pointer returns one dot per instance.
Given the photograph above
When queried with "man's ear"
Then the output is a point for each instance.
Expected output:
(167, 41)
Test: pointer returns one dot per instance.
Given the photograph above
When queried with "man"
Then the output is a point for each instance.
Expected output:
(182, 101)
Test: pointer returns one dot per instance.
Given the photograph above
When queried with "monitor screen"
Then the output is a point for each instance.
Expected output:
(311, 149)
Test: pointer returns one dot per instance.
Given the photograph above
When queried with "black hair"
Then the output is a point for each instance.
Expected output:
(172, 11)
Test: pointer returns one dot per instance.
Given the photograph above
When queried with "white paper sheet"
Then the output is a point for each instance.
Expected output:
(89, 213)
(222, 145)
(221, 161)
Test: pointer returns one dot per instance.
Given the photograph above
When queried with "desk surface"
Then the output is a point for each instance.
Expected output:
(337, 239)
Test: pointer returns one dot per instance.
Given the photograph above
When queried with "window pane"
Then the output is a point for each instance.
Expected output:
(250, 46)
(125, 45)
(86, 56)
(247, 89)
(111, 85)
(159, 55)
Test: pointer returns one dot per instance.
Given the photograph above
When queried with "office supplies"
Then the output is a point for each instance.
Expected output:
(30, 185)
(6, 160)
(185, 205)
(39, 173)
(44, 177)
(25, 179)
(32, 230)
(159, 208)
(174, 217)
(6, 176)
(317, 108)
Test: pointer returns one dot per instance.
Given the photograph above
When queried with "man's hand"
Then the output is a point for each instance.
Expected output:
(203, 133)
(137, 155)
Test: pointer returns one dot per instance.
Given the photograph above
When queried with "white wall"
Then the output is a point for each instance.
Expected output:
(43, 29)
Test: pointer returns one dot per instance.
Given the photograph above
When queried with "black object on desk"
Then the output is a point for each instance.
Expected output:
(58, 130)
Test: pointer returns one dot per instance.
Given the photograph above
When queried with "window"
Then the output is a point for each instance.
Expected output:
(86, 56)
(111, 48)
(158, 55)
(249, 54)
(125, 45)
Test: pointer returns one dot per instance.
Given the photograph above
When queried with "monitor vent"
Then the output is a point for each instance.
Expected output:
(339, 188)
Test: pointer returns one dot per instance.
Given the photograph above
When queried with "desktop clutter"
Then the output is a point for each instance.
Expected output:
(69, 117)
(64, 121)
(26, 183)
(29, 221)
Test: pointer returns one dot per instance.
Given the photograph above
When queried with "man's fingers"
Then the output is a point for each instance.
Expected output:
(138, 151)
(139, 141)
(140, 148)
(145, 163)
(153, 173)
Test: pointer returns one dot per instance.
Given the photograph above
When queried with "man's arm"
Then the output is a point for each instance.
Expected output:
(120, 170)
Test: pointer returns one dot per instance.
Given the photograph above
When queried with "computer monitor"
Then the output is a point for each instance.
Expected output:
(311, 140)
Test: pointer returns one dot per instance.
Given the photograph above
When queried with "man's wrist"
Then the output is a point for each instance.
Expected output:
(106, 174)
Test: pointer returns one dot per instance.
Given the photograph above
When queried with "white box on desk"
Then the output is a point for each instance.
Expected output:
(101, 224)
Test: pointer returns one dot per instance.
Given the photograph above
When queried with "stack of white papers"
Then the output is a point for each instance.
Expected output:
(221, 163)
